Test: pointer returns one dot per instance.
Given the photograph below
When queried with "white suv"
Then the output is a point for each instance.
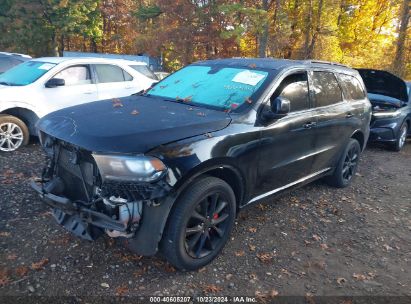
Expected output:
(43, 85)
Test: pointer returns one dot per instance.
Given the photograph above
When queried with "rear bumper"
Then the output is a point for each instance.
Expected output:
(83, 222)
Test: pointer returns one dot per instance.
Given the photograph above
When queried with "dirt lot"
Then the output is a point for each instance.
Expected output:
(315, 240)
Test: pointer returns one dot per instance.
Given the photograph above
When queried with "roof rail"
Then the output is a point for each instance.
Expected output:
(326, 62)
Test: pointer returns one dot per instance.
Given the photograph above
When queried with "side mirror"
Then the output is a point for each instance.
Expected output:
(55, 82)
(280, 106)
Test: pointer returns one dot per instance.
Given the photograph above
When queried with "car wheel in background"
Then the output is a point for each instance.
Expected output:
(200, 224)
(346, 166)
(401, 138)
(13, 133)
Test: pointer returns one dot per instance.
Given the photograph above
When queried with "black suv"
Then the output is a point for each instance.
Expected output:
(390, 97)
(169, 169)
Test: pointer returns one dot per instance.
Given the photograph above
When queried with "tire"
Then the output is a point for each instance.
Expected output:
(346, 166)
(401, 138)
(191, 240)
(13, 133)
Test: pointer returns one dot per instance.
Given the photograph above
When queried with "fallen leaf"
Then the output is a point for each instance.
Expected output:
(39, 265)
(251, 247)
(387, 247)
(252, 229)
(324, 246)
(239, 253)
(316, 237)
(121, 290)
(188, 99)
(105, 285)
(4, 277)
(228, 276)
(341, 281)
(11, 257)
(117, 103)
(203, 269)
(169, 268)
(212, 288)
(264, 257)
(22, 271)
(253, 276)
(359, 277)
(4, 233)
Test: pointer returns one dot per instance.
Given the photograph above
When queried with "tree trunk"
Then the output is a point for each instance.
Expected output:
(399, 64)
(263, 37)
(310, 51)
(308, 28)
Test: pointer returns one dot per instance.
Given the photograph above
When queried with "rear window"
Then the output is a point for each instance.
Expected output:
(7, 63)
(352, 87)
(326, 89)
(143, 69)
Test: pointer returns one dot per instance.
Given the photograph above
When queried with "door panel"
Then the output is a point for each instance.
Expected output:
(334, 119)
(78, 88)
(113, 81)
(287, 144)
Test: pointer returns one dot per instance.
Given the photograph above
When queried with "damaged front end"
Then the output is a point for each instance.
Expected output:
(94, 193)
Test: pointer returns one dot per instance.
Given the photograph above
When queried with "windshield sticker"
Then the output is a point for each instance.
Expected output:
(46, 66)
(247, 77)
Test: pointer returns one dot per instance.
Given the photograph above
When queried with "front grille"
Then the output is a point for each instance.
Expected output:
(76, 172)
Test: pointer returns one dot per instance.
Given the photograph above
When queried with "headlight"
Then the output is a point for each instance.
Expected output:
(138, 168)
(386, 114)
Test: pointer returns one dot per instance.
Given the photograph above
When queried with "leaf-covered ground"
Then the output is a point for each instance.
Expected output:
(312, 241)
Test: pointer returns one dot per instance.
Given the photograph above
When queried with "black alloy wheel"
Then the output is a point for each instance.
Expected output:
(207, 225)
(346, 166)
(200, 224)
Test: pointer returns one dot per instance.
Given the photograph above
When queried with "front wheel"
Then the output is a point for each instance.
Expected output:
(346, 166)
(13, 133)
(200, 224)
(401, 138)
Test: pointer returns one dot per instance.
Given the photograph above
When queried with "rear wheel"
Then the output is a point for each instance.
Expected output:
(13, 133)
(401, 138)
(200, 225)
(346, 166)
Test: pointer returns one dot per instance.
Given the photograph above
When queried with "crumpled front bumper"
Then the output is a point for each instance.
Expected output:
(81, 221)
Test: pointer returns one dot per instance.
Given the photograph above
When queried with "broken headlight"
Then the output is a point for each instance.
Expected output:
(139, 168)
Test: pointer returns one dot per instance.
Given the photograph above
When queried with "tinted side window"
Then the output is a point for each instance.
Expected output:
(295, 89)
(75, 75)
(109, 73)
(326, 89)
(127, 76)
(352, 87)
(143, 69)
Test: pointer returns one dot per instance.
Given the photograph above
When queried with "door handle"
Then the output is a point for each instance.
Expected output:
(309, 125)
(349, 115)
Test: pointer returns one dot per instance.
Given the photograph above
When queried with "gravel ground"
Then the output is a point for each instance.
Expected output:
(312, 241)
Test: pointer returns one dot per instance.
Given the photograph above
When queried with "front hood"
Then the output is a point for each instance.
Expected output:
(384, 102)
(384, 83)
(134, 125)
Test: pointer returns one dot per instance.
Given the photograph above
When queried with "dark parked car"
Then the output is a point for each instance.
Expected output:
(391, 107)
(169, 169)
(9, 60)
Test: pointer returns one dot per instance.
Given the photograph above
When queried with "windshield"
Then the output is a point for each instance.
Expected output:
(143, 69)
(223, 87)
(25, 73)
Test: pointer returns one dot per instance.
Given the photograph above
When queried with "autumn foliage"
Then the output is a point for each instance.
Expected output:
(361, 33)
